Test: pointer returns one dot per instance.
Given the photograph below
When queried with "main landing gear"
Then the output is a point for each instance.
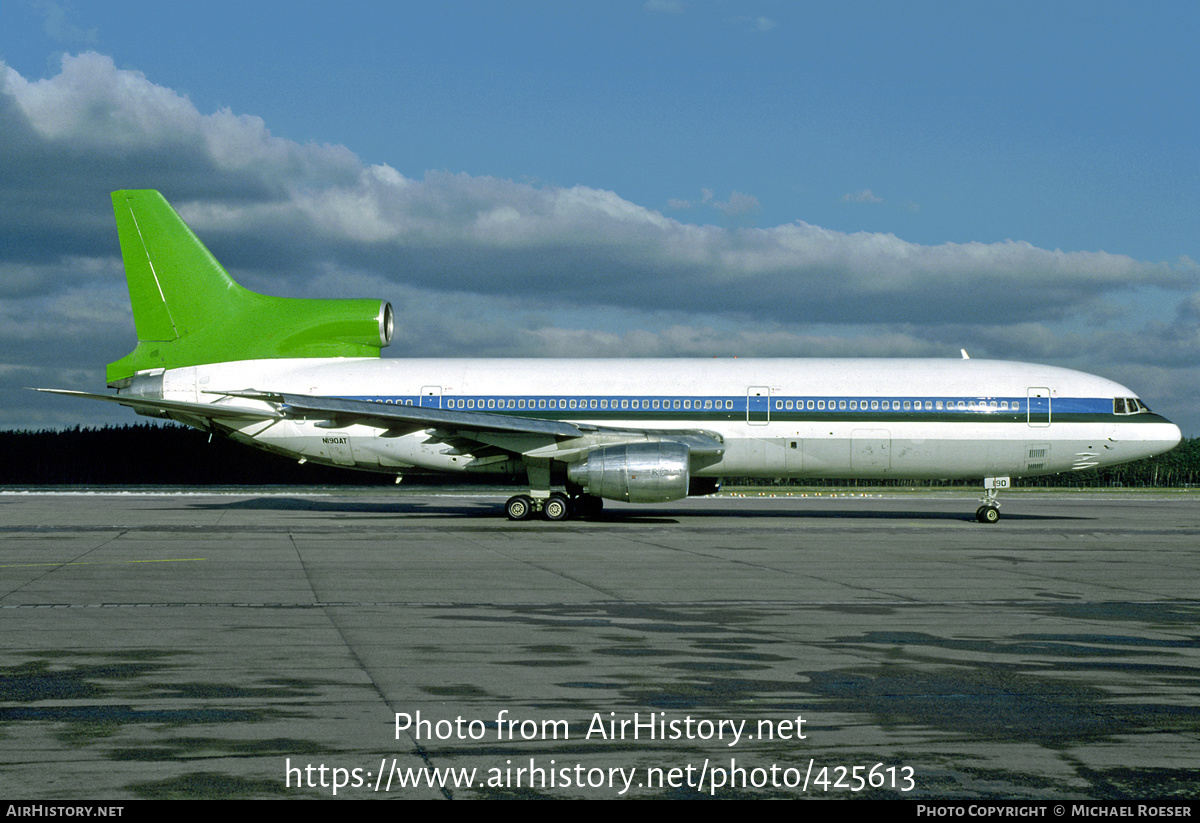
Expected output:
(989, 512)
(550, 504)
(557, 506)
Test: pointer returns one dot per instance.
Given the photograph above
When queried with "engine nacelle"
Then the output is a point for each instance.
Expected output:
(654, 472)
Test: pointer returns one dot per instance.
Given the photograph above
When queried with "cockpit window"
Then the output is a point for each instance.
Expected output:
(1129, 405)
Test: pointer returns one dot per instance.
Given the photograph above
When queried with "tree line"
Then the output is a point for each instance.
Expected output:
(149, 454)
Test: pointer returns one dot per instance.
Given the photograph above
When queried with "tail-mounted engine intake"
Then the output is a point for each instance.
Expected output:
(655, 472)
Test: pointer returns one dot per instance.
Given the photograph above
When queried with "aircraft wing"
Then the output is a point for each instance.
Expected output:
(464, 432)
(528, 436)
(337, 412)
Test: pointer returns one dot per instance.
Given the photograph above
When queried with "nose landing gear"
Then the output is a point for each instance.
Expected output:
(989, 512)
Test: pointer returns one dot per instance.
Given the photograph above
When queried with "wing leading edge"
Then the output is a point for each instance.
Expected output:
(525, 436)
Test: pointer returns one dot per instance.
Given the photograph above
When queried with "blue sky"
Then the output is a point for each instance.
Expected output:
(622, 178)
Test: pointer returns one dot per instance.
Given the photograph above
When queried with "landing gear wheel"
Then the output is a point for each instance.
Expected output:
(519, 507)
(987, 514)
(556, 507)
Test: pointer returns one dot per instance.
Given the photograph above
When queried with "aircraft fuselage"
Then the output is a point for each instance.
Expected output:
(854, 418)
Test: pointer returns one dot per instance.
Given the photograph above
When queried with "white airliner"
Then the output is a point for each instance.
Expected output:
(303, 378)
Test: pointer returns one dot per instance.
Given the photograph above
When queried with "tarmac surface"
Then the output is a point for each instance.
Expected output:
(287, 643)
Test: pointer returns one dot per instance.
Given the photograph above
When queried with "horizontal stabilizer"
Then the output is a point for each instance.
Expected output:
(157, 407)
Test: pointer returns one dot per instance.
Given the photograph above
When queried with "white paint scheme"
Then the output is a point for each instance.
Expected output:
(884, 447)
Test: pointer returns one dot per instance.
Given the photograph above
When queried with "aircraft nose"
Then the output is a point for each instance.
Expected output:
(1175, 436)
(1166, 437)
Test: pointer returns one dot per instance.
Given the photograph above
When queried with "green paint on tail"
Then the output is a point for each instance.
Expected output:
(188, 310)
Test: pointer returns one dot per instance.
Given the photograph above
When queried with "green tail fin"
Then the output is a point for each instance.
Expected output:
(188, 310)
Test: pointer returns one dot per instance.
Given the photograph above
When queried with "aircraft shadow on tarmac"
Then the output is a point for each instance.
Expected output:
(448, 508)
(848, 514)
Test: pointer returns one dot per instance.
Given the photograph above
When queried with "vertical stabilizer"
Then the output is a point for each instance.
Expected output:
(189, 311)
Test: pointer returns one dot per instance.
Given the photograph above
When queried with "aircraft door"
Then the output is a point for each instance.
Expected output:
(758, 405)
(1038, 406)
(431, 397)
(793, 456)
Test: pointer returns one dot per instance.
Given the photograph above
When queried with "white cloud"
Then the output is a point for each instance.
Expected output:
(481, 265)
(738, 203)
